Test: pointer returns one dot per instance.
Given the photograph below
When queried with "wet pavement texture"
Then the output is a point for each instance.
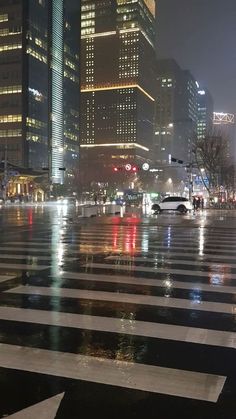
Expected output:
(117, 316)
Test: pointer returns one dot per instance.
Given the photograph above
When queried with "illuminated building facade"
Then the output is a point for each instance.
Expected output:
(38, 65)
(117, 86)
(205, 113)
(176, 112)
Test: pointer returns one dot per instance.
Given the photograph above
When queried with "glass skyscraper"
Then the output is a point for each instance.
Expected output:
(38, 69)
(117, 83)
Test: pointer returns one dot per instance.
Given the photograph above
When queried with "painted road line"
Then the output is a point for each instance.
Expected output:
(4, 278)
(168, 255)
(119, 279)
(23, 266)
(154, 270)
(126, 298)
(47, 409)
(100, 249)
(121, 326)
(24, 256)
(170, 261)
(180, 383)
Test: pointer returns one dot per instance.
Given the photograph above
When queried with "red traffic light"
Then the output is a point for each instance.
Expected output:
(134, 168)
(115, 169)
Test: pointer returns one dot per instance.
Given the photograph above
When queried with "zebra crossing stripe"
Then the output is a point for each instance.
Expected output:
(121, 326)
(23, 266)
(130, 280)
(4, 278)
(126, 298)
(154, 379)
(46, 409)
(169, 261)
(25, 256)
(118, 267)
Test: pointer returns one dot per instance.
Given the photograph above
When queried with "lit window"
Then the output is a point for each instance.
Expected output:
(10, 118)
(10, 133)
(10, 47)
(6, 90)
(4, 18)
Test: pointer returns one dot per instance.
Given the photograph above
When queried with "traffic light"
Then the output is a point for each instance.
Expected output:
(174, 160)
(134, 169)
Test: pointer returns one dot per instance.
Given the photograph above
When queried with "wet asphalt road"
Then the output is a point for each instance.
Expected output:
(124, 316)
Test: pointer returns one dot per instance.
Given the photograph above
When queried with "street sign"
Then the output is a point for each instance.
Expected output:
(128, 167)
(145, 166)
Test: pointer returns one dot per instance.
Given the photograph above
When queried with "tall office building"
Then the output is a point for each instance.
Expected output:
(117, 87)
(205, 113)
(176, 112)
(39, 87)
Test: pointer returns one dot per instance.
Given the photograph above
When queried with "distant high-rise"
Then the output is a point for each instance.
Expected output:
(39, 84)
(224, 126)
(205, 113)
(118, 91)
(176, 112)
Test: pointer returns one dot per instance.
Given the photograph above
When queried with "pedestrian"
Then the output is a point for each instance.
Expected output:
(194, 203)
(25, 277)
(198, 203)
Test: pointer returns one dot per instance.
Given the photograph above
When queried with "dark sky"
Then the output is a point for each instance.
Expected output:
(201, 36)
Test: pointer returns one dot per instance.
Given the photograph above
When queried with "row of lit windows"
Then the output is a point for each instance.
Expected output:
(36, 55)
(86, 7)
(10, 118)
(87, 23)
(35, 123)
(4, 18)
(88, 15)
(71, 136)
(35, 138)
(71, 76)
(10, 133)
(40, 43)
(10, 47)
(87, 31)
(12, 31)
(70, 64)
(6, 90)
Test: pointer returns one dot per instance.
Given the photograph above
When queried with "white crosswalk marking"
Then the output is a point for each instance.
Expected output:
(172, 262)
(129, 306)
(22, 266)
(127, 298)
(116, 279)
(154, 379)
(4, 278)
(130, 267)
(46, 409)
(121, 326)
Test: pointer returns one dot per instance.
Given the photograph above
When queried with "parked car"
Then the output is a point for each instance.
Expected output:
(173, 203)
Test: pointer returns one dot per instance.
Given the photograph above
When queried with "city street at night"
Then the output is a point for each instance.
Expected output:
(121, 316)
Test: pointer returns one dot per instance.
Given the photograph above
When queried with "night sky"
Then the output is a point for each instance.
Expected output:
(201, 36)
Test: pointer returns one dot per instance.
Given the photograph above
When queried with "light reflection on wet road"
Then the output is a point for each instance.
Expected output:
(138, 308)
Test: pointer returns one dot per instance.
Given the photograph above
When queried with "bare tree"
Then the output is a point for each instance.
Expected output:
(211, 155)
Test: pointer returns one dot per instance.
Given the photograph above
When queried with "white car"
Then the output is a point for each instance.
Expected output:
(173, 203)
